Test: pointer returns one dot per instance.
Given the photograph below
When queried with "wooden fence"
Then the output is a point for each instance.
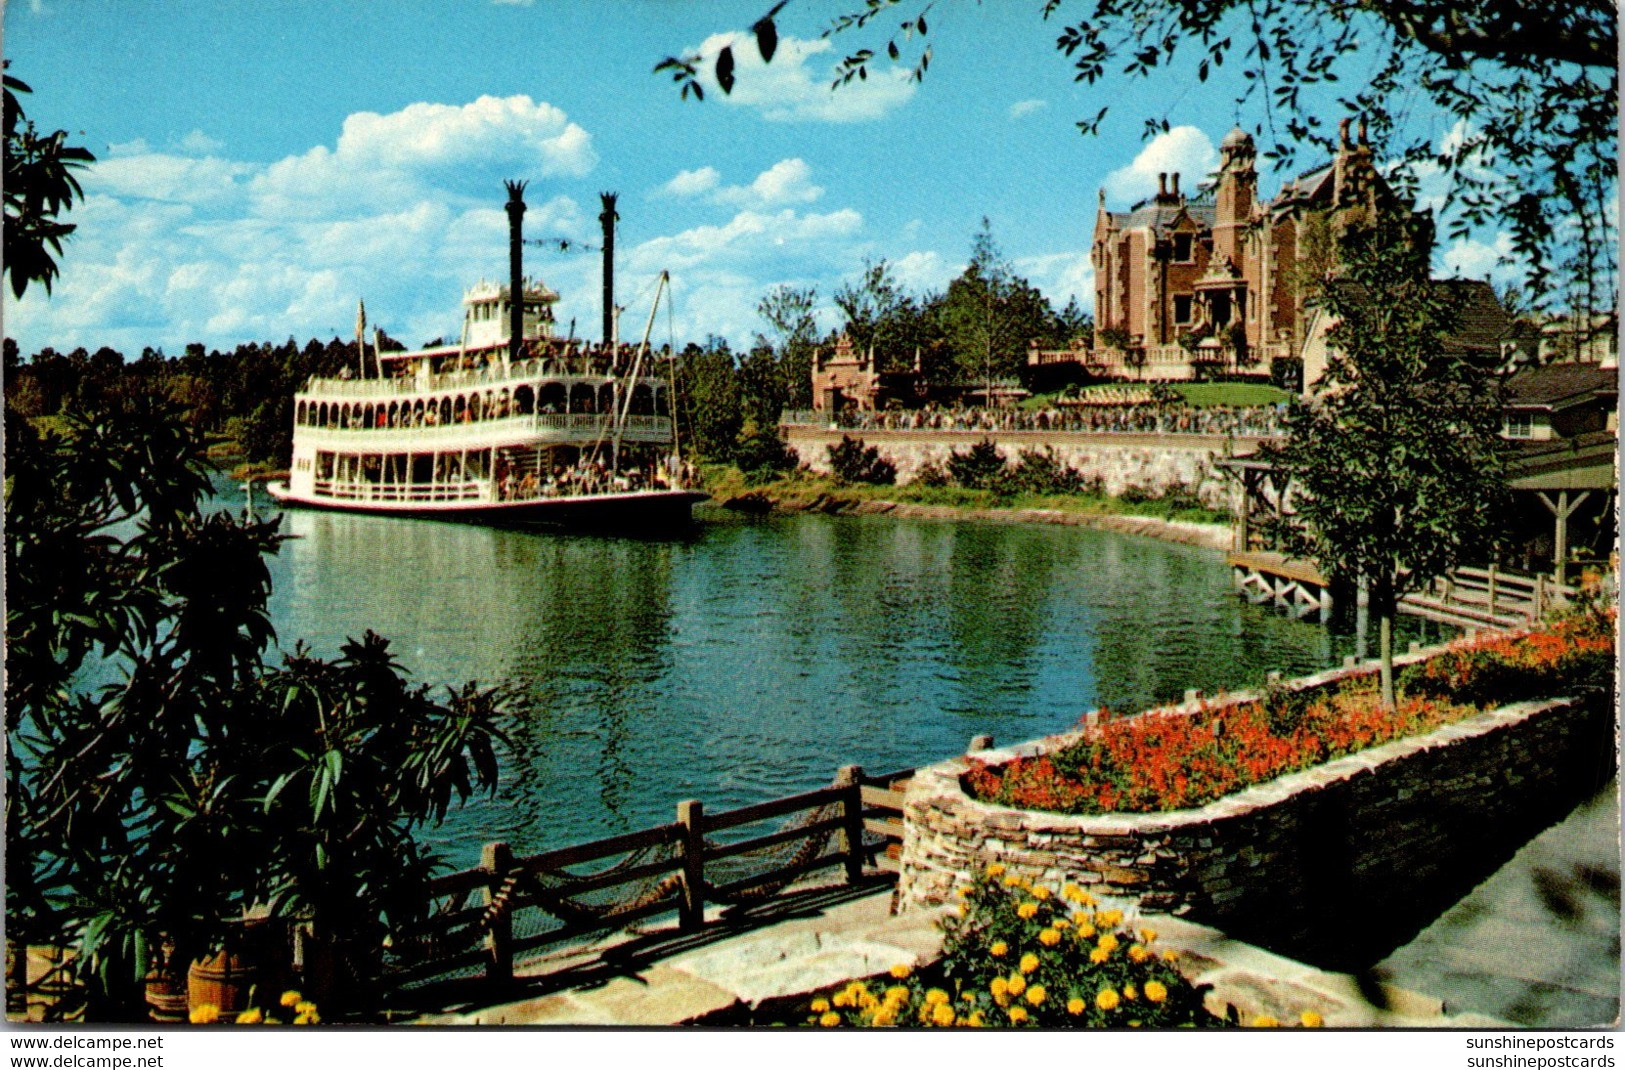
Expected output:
(701, 860)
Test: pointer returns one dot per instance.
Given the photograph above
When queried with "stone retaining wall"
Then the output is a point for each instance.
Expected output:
(1335, 865)
(1154, 463)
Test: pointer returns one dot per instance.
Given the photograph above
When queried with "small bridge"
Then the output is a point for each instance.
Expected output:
(1472, 599)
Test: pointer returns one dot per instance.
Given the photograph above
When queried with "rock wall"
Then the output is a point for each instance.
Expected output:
(1154, 463)
(1335, 866)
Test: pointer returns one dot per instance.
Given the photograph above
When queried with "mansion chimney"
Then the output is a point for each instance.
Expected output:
(516, 269)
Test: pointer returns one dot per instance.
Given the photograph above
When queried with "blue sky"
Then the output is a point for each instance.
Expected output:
(262, 166)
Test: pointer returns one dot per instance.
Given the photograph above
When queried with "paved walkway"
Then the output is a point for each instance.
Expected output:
(1537, 945)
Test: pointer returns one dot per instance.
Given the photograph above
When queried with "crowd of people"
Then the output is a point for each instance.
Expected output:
(592, 476)
(1159, 419)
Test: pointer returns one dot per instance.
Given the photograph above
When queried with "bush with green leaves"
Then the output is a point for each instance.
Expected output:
(1041, 472)
(853, 462)
(763, 456)
(982, 467)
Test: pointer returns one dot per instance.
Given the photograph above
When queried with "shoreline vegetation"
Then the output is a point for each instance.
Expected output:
(803, 492)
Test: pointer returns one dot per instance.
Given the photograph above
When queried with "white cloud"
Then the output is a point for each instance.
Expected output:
(1183, 149)
(786, 182)
(921, 270)
(1061, 277)
(795, 87)
(691, 183)
(199, 144)
(1026, 107)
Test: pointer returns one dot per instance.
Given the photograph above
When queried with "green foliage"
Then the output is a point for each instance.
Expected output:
(710, 407)
(1041, 472)
(40, 186)
(854, 462)
(789, 311)
(982, 467)
(1398, 465)
(762, 455)
(161, 776)
(989, 315)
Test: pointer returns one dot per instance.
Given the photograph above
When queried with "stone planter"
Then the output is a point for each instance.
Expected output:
(1335, 865)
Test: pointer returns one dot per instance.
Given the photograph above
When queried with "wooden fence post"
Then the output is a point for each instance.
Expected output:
(1492, 590)
(497, 861)
(691, 912)
(1540, 596)
(979, 743)
(850, 777)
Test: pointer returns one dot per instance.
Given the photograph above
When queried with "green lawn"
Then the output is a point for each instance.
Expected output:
(1205, 395)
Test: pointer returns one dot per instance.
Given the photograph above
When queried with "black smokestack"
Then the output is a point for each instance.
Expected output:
(516, 269)
(608, 218)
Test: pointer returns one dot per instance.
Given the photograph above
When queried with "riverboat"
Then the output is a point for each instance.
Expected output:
(551, 431)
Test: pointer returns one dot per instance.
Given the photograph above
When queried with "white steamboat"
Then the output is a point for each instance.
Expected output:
(548, 431)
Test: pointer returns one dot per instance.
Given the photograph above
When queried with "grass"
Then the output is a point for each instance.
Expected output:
(1207, 395)
(799, 489)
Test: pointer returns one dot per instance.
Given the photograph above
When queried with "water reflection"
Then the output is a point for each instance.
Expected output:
(759, 655)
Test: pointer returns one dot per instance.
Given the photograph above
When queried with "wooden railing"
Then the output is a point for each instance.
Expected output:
(1489, 598)
(698, 862)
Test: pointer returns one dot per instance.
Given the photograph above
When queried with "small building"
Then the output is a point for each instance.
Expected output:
(843, 378)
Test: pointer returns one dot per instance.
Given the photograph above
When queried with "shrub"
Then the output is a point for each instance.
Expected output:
(762, 456)
(1041, 472)
(853, 462)
(931, 474)
(1023, 955)
(981, 467)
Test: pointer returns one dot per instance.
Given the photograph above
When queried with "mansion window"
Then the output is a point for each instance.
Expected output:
(1183, 252)
(1182, 309)
(1520, 425)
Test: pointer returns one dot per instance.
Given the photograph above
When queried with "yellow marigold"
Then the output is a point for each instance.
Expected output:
(901, 970)
(964, 910)
(1111, 917)
(995, 869)
(936, 996)
(252, 1016)
(291, 998)
(1060, 923)
(896, 994)
(1138, 953)
(844, 998)
(304, 1006)
(1170, 956)
(1085, 930)
(1129, 993)
(1107, 943)
(1076, 1005)
(1071, 892)
(1000, 987)
(943, 1015)
(999, 949)
(1016, 985)
(1018, 1014)
(867, 1001)
(1156, 991)
(829, 1019)
(1097, 956)
(1311, 1020)
(965, 891)
(1013, 881)
(1040, 892)
(1029, 962)
(1148, 936)
(1106, 999)
(820, 1005)
(884, 1017)
(975, 1021)
(1050, 937)
(1026, 910)
(1265, 1021)
(308, 1018)
(204, 1014)
(1036, 994)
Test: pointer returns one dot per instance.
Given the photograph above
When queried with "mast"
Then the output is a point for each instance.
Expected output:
(637, 366)
(607, 219)
(361, 338)
(516, 268)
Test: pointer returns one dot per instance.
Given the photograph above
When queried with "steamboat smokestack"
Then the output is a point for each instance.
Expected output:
(608, 218)
(516, 269)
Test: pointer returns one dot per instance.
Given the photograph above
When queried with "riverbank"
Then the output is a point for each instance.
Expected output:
(804, 493)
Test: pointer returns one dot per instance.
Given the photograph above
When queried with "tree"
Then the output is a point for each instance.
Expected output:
(1533, 90)
(161, 776)
(1396, 469)
(789, 311)
(710, 410)
(40, 186)
(881, 314)
(990, 315)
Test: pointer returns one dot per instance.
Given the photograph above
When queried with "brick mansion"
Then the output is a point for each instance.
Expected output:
(1223, 281)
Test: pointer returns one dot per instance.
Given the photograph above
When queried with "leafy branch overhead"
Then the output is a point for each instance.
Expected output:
(1531, 87)
(40, 186)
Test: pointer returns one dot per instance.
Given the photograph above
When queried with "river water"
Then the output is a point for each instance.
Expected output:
(754, 656)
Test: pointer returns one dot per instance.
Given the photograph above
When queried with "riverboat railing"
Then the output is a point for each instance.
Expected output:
(579, 370)
(589, 424)
(343, 490)
(488, 920)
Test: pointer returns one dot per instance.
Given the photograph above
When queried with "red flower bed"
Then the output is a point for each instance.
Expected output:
(1172, 761)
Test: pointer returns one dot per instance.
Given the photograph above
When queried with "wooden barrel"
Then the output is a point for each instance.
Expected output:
(167, 999)
(224, 979)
